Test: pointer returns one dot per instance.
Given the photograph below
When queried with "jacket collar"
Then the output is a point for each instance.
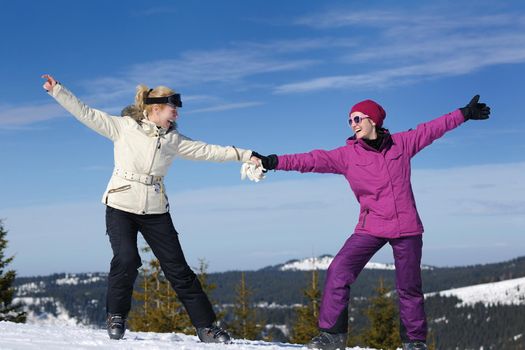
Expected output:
(151, 129)
(387, 141)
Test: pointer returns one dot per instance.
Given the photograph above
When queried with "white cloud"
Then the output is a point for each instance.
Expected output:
(497, 46)
(457, 65)
(298, 45)
(344, 17)
(12, 117)
(156, 11)
(430, 43)
(486, 193)
(225, 107)
(424, 20)
(193, 68)
(426, 44)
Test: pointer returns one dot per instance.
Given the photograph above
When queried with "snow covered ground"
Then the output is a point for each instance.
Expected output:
(15, 336)
(508, 292)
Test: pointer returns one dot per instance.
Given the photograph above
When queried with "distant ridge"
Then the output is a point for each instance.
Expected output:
(507, 292)
(322, 262)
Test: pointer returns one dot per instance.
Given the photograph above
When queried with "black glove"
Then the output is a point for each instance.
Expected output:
(475, 110)
(269, 162)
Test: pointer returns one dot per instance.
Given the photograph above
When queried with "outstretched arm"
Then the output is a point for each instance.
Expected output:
(198, 150)
(317, 161)
(426, 133)
(101, 122)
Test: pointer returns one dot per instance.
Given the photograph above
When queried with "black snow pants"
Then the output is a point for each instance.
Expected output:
(160, 234)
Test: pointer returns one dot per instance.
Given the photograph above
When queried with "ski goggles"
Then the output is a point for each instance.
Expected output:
(172, 100)
(357, 119)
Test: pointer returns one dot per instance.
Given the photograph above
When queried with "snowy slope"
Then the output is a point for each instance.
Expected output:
(508, 292)
(322, 263)
(44, 337)
(36, 314)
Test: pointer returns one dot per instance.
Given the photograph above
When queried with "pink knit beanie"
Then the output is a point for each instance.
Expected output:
(371, 109)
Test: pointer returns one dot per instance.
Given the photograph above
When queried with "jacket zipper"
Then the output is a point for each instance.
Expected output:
(393, 193)
(157, 147)
(364, 218)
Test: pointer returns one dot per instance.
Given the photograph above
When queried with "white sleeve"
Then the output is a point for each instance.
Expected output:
(101, 122)
(198, 150)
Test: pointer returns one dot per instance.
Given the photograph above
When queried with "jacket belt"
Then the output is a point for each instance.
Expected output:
(142, 178)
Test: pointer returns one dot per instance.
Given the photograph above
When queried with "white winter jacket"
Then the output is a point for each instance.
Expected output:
(143, 153)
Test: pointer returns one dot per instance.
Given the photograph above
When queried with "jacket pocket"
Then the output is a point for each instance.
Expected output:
(116, 190)
(119, 189)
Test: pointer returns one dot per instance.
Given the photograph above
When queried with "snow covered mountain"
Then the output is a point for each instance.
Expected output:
(508, 292)
(322, 262)
(63, 298)
(55, 281)
(37, 337)
(319, 263)
(46, 311)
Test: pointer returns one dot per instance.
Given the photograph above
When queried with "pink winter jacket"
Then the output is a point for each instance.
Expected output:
(380, 179)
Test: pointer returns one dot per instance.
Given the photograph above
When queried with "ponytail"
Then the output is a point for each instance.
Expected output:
(143, 91)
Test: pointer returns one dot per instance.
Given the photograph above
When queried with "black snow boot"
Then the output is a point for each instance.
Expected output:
(213, 334)
(116, 324)
(416, 345)
(328, 341)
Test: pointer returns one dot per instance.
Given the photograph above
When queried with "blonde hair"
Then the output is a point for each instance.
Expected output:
(143, 91)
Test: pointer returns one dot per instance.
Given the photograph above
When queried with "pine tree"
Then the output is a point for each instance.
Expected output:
(8, 311)
(159, 310)
(208, 287)
(202, 274)
(305, 326)
(245, 322)
(432, 341)
(383, 331)
(138, 317)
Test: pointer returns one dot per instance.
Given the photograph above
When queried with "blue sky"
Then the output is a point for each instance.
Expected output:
(272, 76)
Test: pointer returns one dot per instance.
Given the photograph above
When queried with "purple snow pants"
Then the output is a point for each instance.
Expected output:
(350, 261)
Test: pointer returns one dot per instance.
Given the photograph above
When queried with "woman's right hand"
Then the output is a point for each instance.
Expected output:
(50, 82)
(268, 162)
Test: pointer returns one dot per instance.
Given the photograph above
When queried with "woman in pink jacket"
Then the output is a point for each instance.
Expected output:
(377, 167)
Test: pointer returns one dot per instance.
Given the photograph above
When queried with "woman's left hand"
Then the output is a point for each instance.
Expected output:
(475, 110)
(50, 82)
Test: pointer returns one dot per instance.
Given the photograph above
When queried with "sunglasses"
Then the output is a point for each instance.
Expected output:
(357, 119)
(172, 100)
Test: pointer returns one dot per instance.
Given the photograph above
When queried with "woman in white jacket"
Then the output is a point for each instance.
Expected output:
(135, 199)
